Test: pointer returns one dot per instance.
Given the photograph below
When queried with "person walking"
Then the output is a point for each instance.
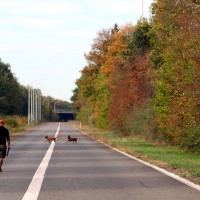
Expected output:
(4, 142)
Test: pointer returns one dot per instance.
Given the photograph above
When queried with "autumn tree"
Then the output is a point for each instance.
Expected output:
(87, 94)
(104, 83)
(176, 66)
(152, 66)
(131, 79)
(84, 95)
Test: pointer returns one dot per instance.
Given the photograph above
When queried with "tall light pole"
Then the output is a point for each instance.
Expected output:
(40, 105)
(37, 105)
(29, 104)
(34, 104)
(54, 106)
(142, 16)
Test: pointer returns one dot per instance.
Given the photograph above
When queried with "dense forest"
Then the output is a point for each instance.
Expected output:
(144, 79)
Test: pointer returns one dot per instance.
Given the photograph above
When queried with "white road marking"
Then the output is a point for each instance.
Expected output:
(36, 183)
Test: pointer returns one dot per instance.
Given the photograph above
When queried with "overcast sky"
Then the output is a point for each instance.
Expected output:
(44, 40)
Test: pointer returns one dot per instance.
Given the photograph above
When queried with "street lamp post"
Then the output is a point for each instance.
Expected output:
(29, 103)
(37, 105)
(34, 104)
(54, 106)
(142, 16)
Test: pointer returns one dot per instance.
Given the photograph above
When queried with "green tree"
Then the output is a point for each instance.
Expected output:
(175, 59)
(11, 101)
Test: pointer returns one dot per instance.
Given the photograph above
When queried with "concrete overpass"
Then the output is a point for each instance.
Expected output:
(65, 114)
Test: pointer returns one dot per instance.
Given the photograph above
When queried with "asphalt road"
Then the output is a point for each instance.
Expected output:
(87, 170)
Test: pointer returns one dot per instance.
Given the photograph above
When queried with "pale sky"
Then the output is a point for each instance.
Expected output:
(44, 40)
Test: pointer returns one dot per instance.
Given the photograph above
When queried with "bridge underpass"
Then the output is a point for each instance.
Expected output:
(65, 115)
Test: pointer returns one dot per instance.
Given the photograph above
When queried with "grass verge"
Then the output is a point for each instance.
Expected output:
(183, 163)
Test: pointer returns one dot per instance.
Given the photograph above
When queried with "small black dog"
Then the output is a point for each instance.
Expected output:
(74, 140)
(50, 139)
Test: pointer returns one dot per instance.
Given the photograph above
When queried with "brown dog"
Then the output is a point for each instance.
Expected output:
(74, 140)
(50, 139)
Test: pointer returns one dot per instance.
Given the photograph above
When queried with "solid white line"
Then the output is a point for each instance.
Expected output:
(36, 183)
(172, 175)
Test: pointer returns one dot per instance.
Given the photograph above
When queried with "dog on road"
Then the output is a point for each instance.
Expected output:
(50, 139)
(73, 140)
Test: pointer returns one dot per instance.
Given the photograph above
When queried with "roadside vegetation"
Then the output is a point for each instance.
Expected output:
(15, 123)
(143, 80)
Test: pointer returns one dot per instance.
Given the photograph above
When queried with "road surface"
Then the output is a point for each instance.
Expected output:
(87, 170)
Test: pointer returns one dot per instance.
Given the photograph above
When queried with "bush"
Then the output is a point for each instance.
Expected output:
(141, 122)
(192, 141)
(11, 121)
(21, 120)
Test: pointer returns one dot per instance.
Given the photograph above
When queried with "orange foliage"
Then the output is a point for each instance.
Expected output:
(118, 44)
(131, 88)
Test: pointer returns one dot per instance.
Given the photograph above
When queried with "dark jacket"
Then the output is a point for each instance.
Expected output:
(4, 135)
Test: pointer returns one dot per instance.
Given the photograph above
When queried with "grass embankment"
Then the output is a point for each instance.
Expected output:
(15, 125)
(16, 132)
(185, 164)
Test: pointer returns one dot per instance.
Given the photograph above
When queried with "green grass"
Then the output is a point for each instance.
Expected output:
(175, 157)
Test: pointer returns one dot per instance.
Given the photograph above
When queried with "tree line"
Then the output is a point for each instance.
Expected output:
(145, 79)
(14, 97)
